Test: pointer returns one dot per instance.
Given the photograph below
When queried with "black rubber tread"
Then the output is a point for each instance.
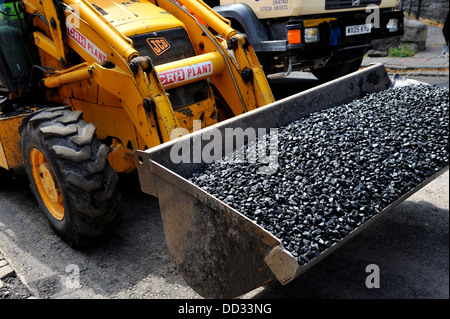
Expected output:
(72, 117)
(79, 161)
(99, 160)
(110, 180)
(44, 115)
(85, 135)
(71, 154)
(80, 181)
(58, 131)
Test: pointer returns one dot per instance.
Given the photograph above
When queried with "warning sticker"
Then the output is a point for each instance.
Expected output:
(85, 43)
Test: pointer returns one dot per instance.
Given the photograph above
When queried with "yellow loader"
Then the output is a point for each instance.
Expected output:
(84, 84)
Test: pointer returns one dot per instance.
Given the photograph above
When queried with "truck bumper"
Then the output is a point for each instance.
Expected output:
(345, 38)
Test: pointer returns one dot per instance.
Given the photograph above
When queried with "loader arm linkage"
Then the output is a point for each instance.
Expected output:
(134, 80)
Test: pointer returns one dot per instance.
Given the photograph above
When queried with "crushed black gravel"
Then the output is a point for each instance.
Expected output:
(340, 167)
(9, 109)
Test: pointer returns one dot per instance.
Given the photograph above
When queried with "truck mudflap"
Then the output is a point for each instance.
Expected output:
(218, 251)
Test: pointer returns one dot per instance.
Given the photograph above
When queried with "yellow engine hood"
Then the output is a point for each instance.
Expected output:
(133, 17)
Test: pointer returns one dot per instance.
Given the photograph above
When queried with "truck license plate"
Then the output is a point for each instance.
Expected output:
(358, 29)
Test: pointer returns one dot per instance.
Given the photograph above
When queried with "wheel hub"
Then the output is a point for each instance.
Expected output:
(48, 182)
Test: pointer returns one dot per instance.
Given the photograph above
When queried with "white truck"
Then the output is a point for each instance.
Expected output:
(328, 37)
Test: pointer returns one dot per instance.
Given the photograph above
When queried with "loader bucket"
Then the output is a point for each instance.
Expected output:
(220, 252)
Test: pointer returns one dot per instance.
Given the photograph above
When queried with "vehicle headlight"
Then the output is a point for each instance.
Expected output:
(392, 25)
(311, 35)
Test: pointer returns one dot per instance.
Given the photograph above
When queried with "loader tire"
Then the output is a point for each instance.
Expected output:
(70, 175)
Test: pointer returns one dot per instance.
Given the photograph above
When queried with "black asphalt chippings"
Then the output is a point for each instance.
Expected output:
(339, 167)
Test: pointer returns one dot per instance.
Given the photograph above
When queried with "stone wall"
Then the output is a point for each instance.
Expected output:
(429, 9)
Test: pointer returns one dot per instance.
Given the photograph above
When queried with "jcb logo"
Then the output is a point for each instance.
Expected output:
(158, 45)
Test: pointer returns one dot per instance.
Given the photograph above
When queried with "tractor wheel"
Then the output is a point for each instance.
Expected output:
(70, 175)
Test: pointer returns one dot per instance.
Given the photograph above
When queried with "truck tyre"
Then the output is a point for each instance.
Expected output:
(332, 72)
(70, 175)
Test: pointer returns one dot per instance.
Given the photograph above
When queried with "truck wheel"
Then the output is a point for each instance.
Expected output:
(70, 175)
(332, 72)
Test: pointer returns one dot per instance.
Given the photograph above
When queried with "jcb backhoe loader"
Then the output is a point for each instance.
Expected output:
(92, 88)
(84, 84)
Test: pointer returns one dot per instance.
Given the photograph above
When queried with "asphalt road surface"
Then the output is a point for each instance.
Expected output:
(409, 247)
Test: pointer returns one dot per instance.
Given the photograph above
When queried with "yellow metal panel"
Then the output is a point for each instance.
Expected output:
(56, 32)
(104, 28)
(110, 121)
(205, 112)
(84, 90)
(120, 158)
(135, 17)
(3, 162)
(9, 140)
(45, 44)
(113, 122)
(131, 95)
(106, 98)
